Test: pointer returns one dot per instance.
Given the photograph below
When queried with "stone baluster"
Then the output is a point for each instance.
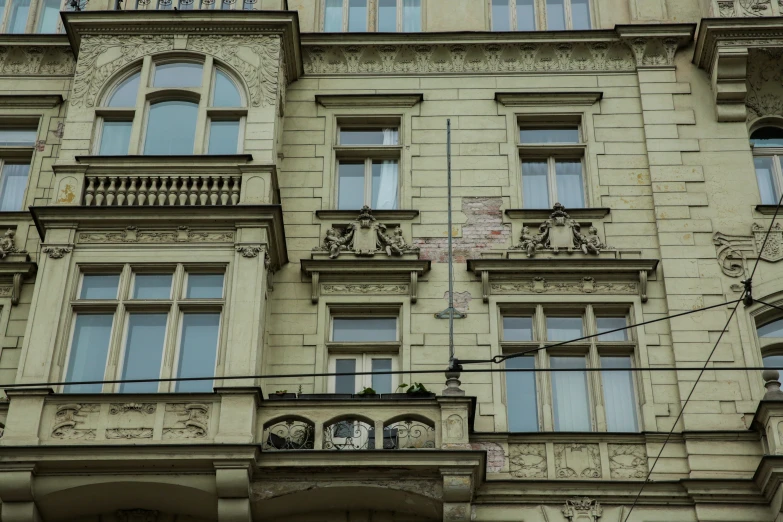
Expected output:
(153, 192)
(122, 191)
(173, 191)
(162, 192)
(143, 192)
(235, 189)
(132, 192)
(213, 191)
(89, 192)
(100, 192)
(224, 191)
(183, 190)
(111, 192)
(193, 196)
(202, 196)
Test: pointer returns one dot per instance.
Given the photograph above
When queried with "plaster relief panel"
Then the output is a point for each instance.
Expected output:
(77, 421)
(132, 420)
(577, 461)
(527, 460)
(186, 421)
(627, 461)
(764, 82)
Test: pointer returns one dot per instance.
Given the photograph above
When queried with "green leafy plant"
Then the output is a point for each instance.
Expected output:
(281, 392)
(402, 387)
(367, 392)
(417, 388)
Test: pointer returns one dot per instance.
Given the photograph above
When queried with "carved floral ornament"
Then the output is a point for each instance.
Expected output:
(733, 251)
(365, 237)
(560, 232)
(582, 509)
(255, 57)
(36, 60)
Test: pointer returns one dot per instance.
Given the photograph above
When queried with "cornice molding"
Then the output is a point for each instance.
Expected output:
(548, 99)
(340, 101)
(621, 50)
(541, 214)
(383, 215)
(29, 101)
(157, 165)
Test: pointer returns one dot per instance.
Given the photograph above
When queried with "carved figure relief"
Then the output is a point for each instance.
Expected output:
(733, 251)
(586, 285)
(577, 461)
(560, 232)
(582, 509)
(454, 427)
(627, 461)
(186, 421)
(28, 60)
(527, 460)
(249, 251)
(70, 421)
(466, 58)
(365, 237)
(132, 234)
(7, 245)
(56, 252)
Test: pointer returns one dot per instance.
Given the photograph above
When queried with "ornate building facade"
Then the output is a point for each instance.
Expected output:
(255, 192)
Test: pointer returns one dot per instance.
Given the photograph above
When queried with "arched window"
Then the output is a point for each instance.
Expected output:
(185, 107)
(771, 340)
(767, 143)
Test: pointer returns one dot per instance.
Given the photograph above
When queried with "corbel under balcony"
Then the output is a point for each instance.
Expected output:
(14, 268)
(519, 274)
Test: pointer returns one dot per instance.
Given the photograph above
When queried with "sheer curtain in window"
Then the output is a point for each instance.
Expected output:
(387, 185)
(333, 16)
(411, 16)
(570, 394)
(12, 186)
(618, 395)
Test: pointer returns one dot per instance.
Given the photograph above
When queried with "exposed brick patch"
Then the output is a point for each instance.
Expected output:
(496, 458)
(484, 230)
(461, 300)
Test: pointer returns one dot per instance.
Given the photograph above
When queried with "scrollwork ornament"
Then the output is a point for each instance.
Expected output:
(249, 251)
(55, 252)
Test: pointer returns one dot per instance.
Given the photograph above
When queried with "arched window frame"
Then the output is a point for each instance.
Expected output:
(774, 155)
(147, 95)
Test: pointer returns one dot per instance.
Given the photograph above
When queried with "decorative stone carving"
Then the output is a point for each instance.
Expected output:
(132, 234)
(56, 252)
(773, 248)
(577, 460)
(141, 407)
(365, 237)
(582, 510)
(129, 433)
(137, 515)
(560, 232)
(32, 60)
(754, 7)
(186, 421)
(364, 289)
(725, 8)
(586, 285)
(627, 461)
(733, 251)
(249, 251)
(527, 460)
(654, 51)
(454, 427)
(764, 82)
(7, 245)
(410, 58)
(69, 417)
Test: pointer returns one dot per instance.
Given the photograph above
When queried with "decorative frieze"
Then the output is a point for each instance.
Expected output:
(26, 60)
(577, 461)
(627, 461)
(186, 421)
(132, 234)
(75, 421)
(365, 237)
(367, 289)
(585, 285)
(527, 460)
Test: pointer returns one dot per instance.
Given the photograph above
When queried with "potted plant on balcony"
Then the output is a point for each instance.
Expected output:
(416, 389)
(368, 393)
(281, 394)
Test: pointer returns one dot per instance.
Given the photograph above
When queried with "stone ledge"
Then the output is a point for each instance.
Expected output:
(383, 215)
(542, 214)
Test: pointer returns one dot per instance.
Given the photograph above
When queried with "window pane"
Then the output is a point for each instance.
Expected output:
(364, 329)
(767, 137)
(178, 75)
(570, 189)
(570, 395)
(765, 177)
(563, 328)
(619, 399)
(384, 185)
(197, 351)
(186, 5)
(535, 192)
(382, 383)
(773, 361)
(11, 137)
(522, 404)
(226, 92)
(50, 15)
(501, 21)
(561, 135)
(357, 16)
(125, 93)
(223, 137)
(345, 383)
(333, 17)
(387, 16)
(517, 328)
(14, 183)
(99, 286)
(411, 16)
(555, 15)
(205, 286)
(773, 329)
(152, 286)
(580, 14)
(115, 138)
(350, 186)
(17, 19)
(89, 349)
(171, 128)
(249, 5)
(388, 136)
(143, 352)
(526, 15)
(605, 324)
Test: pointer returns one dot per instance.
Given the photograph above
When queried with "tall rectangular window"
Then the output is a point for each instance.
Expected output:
(357, 16)
(49, 16)
(13, 183)
(223, 137)
(373, 180)
(17, 146)
(115, 138)
(619, 399)
(570, 394)
(375, 369)
(767, 146)
(150, 312)
(521, 15)
(521, 395)
(551, 166)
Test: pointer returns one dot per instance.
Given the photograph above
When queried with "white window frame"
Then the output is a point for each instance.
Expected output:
(593, 349)
(540, 11)
(400, 16)
(364, 364)
(776, 154)
(175, 307)
(551, 153)
(35, 17)
(372, 15)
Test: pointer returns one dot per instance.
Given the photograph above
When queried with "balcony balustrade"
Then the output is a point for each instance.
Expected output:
(117, 191)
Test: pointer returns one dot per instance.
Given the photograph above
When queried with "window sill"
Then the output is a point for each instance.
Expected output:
(542, 214)
(143, 159)
(382, 215)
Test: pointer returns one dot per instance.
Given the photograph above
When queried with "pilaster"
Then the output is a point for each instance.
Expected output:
(24, 416)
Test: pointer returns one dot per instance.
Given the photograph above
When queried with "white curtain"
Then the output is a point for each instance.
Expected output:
(333, 18)
(14, 183)
(618, 395)
(411, 16)
(386, 197)
(570, 395)
(535, 190)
